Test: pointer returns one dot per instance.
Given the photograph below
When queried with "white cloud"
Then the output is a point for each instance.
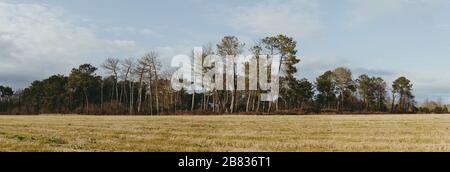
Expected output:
(368, 10)
(312, 67)
(443, 27)
(297, 18)
(37, 40)
(363, 11)
(133, 30)
(166, 53)
(126, 44)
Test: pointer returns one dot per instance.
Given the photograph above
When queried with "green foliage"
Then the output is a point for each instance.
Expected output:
(342, 77)
(326, 89)
(6, 91)
(5, 97)
(373, 93)
(286, 48)
(402, 88)
(229, 45)
(84, 80)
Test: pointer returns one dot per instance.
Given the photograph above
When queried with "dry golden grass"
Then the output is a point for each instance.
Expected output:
(225, 133)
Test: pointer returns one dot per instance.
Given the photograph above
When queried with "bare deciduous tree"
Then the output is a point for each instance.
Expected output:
(127, 66)
(112, 65)
(151, 66)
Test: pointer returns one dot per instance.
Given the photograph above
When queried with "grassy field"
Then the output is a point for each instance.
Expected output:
(225, 133)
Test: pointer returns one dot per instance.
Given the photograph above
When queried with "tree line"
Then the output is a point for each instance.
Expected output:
(143, 87)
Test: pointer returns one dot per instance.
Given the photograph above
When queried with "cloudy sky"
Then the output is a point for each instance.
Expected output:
(387, 38)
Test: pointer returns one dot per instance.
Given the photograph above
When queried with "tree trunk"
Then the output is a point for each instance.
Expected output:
(87, 100)
(139, 98)
(101, 97)
(225, 102)
(393, 103)
(259, 101)
(131, 98)
(156, 87)
(157, 96)
(249, 97)
(141, 77)
(207, 101)
(253, 101)
(193, 101)
(214, 101)
(401, 102)
(150, 98)
(116, 86)
(233, 94)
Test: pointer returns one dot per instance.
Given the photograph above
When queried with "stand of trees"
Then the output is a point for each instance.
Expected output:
(142, 86)
(436, 107)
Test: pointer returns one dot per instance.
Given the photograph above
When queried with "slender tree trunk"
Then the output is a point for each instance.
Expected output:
(139, 98)
(225, 103)
(259, 101)
(150, 97)
(141, 77)
(156, 87)
(172, 101)
(131, 98)
(87, 100)
(207, 101)
(393, 103)
(247, 107)
(112, 93)
(121, 93)
(116, 85)
(204, 100)
(233, 92)
(193, 101)
(277, 104)
(401, 102)
(232, 101)
(101, 97)
(253, 101)
(214, 101)
(157, 96)
(124, 98)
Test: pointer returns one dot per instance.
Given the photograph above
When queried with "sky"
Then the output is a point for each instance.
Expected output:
(386, 38)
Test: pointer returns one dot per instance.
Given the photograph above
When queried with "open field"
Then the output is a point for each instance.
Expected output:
(225, 133)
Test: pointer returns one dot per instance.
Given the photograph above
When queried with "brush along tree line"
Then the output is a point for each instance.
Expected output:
(143, 87)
